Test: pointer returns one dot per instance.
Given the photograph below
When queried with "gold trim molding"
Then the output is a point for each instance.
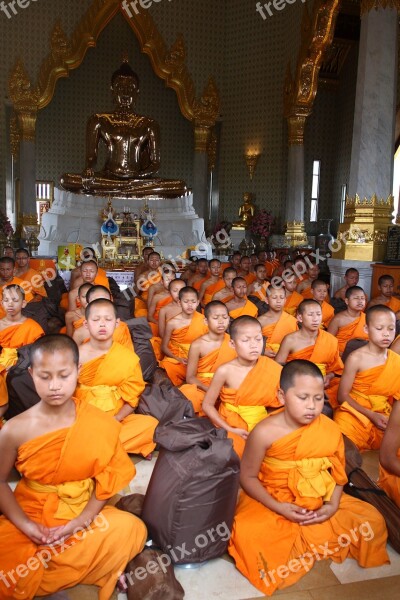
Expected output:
(368, 5)
(295, 234)
(296, 125)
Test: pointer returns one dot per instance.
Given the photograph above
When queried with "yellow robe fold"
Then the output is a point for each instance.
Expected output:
(276, 331)
(248, 309)
(122, 335)
(292, 303)
(212, 289)
(374, 389)
(351, 331)
(179, 344)
(111, 380)
(89, 450)
(206, 368)
(328, 312)
(245, 407)
(36, 280)
(14, 337)
(273, 552)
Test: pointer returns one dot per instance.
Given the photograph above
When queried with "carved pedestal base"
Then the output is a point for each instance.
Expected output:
(295, 234)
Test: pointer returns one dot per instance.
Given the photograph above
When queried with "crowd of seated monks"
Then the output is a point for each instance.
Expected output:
(259, 348)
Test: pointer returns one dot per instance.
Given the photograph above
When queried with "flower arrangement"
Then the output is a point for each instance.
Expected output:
(220, 235)
(263, 223)
(5, 225)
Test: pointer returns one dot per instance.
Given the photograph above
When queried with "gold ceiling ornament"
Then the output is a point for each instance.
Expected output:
(15, 136)
(368, 5)
(25, 99)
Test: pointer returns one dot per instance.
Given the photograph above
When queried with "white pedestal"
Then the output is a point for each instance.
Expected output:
(75, 219)
(339, 267)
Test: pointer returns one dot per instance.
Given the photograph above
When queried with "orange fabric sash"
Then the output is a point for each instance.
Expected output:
(248, 309)
(324, 351)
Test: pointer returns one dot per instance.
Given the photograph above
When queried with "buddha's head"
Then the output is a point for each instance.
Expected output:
(125, 86)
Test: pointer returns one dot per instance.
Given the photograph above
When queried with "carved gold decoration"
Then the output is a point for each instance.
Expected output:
(202, 136)
(251, 159)
(296, 125)
(363, 234)
(206, 109)
(25, 99)
(212, 151)
(295, 234)
(368, 5)
(15, 136)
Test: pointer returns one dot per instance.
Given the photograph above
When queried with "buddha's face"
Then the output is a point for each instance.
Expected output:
(125, 91)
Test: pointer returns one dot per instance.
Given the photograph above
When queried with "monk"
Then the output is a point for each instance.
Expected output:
(275, 323)
(389, 456)
(156, 287)
(15, 329)
(314, 344)
(74, 319)
(121, 334)
(26, 273)
(270, 264)
(369, 383)
(111, 378)
(349, 324)
(292, 510)
(87, 254)
(190, 269)
(240, 305)
(7, 267)
(260, 285)
(56, 531)
(214, 283)
(312, 273)
(173, 308)
(201, 275)
(319, 291)
(147, 250)
(386, 289)
(207, 353)
(149, 276)
(88, 270)
(226, 293)
(8, 251)
(241, 384)
(244, 270)
(293, 298)
(180, 332)
(351, 278)
(160, 299)
(235, 260)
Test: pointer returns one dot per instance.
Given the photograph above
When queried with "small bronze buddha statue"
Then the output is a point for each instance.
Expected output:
(246, 211)
(133, 149)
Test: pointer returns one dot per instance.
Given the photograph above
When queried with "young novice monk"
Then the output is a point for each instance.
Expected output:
(241, 384)
(259, 287)
(7, 266)
(275, 323)
(349, 324)
(88, 272)
(201, 275)
(293, 298)
(319, 291)
(389, 456)
(172, 309)
(351, 278)
(207, 353)
(314, 344)
(304, 287)
(160, 299)
(292, 511)
(74, 319)
(15, 329)
(180, 332)
(214, 283)
(111, 378)
(240, 305)
(386, 288)
(56, 530)
(369, 382)
(226, 293)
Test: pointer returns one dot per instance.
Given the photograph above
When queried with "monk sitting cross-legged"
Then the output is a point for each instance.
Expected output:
(201, 275)
(369, 383)
(180, 332)
(245, 272)
(74, 319)
(15, 329)
(88, 254)
(170, 307)
(149, 275)
(167, 270)
(160, 299)
(351, 278)
(111, 378)
(386, 289)
(213, 284)
(312, 273)
(240, 305)
(26, 273)
(88, 272)
(275, 323)
(207, 353)
(247, 386)
(292, 510)
(319, 291)
(71, 461)
(314, 344)
(349, 324)
(226, 293)
(259, 287)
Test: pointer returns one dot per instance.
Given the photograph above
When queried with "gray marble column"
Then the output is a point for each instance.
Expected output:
(372, 152)
(295, 184)
(200, 184)
(27, 171)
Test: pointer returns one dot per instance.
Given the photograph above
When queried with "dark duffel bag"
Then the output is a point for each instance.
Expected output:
(141, 335)
(191, 497)
(165, 402)
(21, 390)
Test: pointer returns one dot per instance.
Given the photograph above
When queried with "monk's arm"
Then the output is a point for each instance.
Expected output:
(192, 366)
(70, 317)
(334, 325)
(391, 442)
(3, 410)
(256, 447)
(152, 292)
(284, 350)
(72, 296)
(396, 346)
(151, 309)
(211, 398)
(130, 389)
(162, 321)
(202, 290)
(79, 335)
(328, 509)
(87, 516)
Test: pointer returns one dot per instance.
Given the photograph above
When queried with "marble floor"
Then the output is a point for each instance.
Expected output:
(219, 580)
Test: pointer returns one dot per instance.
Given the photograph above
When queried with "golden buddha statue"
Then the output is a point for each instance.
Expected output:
(246, 212)
(133, 149)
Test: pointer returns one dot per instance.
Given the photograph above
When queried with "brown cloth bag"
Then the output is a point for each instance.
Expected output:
(191, 497)
(165, 402)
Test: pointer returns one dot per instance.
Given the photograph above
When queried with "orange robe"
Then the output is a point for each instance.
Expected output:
(141, 301)
(245, 407)
(276, 331)
(390, 483)
(15, 281)
(292, 303)
(307, 293)
(374, 389)
(273, 552)
(249, 278)
(206, 368)
(261, 291)
(211, 290)
(197, 284)
(325, 354)
(179, 344)
(394, 304)
(3, 394)
(160, 304)
(111, 380)
(248, 309)
(90, 454)
(14, 337)
(36, 281)
(351, 331)
(328, 312)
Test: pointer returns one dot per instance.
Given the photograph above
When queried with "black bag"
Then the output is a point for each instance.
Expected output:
(191, 497)
(21, 390)
(165, 403)
(141, 335)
